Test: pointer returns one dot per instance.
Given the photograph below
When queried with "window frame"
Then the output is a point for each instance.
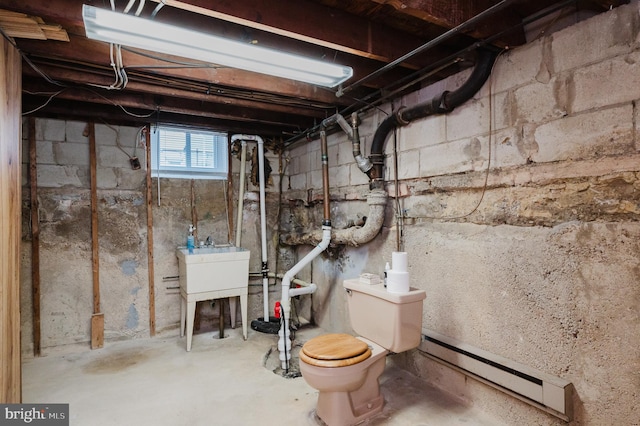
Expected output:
(220, 155)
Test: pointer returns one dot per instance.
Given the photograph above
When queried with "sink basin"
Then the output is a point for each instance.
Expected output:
(208, 273)
(213, 268)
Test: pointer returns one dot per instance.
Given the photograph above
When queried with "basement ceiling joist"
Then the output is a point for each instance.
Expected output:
(364, 34)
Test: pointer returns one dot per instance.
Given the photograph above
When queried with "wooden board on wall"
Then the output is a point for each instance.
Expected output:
(97, 320)
(35, 237)
(10, 222)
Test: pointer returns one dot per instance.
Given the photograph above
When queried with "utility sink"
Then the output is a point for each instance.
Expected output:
(213, 268)
(208, 273)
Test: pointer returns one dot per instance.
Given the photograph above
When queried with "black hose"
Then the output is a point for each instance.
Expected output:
(441, 104)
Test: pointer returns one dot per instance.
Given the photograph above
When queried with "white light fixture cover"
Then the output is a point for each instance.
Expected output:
(129, 30)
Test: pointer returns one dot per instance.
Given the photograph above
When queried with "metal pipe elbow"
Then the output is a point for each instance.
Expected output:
(358, 235)
(354, 236)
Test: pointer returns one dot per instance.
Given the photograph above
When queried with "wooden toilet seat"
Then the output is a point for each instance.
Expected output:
(334, 350)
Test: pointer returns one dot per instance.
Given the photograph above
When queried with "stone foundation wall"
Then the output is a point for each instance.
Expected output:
(520, 215)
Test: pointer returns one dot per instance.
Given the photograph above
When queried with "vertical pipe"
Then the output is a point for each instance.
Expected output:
(227, 188)
(194, 211)
(243, 166)
(284, 342)
(325, 177)
(263, 229)
(263, 217)
(150, 263)
(396, 182)
(158, 166)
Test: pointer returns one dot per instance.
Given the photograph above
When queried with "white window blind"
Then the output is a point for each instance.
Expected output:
(188, 153)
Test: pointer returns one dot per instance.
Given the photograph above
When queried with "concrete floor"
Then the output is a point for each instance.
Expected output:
(220, 382)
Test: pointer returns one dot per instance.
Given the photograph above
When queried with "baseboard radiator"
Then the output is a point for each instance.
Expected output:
(549, 393)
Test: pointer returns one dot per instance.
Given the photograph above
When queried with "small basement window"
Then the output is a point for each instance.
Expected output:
(188, 153)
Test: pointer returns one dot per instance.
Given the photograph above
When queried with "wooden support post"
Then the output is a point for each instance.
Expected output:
(10, 222)
(97, 319)
(35, 238)
(152, 293)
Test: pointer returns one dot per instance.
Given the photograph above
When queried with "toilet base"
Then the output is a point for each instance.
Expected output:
(337, 409)
(350, 408)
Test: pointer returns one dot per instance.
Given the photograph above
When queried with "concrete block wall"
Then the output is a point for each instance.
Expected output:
(520, 219)
(65, 234)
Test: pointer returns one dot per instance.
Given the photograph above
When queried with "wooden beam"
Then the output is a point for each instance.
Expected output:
(163, 93)
(20, 25)
(303, 21)
(83, 111)
(35, 237)
(150, 262)
(309, 22)
(97, 319)
(10, 223)
(142, 104)
(448, 14)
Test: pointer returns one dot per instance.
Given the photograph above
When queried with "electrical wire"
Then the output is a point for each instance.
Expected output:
(140, 7)
(115, 54)
(117, 138)
(28, 61)
(129, 6)
(157, 9)
(53, 95)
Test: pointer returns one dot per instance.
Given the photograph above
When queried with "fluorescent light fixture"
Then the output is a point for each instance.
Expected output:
(129, 30)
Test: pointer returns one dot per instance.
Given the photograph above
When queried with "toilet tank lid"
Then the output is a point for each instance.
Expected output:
(378, 290)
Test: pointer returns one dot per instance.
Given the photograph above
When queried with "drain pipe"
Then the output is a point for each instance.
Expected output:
(263, 214)
(354, 236)
(376, 199)
(441, 104)
(373, 167)
(284, 342)
(243, 167)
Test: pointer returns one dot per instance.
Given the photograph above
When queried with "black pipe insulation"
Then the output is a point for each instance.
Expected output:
(441, 104)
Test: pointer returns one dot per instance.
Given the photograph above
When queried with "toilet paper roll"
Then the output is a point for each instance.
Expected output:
(397, 281)
(399, 261)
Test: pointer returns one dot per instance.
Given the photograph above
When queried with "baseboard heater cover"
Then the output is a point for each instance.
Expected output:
(549, 393)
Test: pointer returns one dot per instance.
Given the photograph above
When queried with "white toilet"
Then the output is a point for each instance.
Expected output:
(345, 369)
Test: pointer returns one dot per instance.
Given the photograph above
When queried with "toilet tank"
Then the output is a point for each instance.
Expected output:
(392, 320)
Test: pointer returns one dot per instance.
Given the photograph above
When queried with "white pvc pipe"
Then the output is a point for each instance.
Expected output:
(263, 230)
(284, 343)
(311, 288)
(243, 168)
(263, 216)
